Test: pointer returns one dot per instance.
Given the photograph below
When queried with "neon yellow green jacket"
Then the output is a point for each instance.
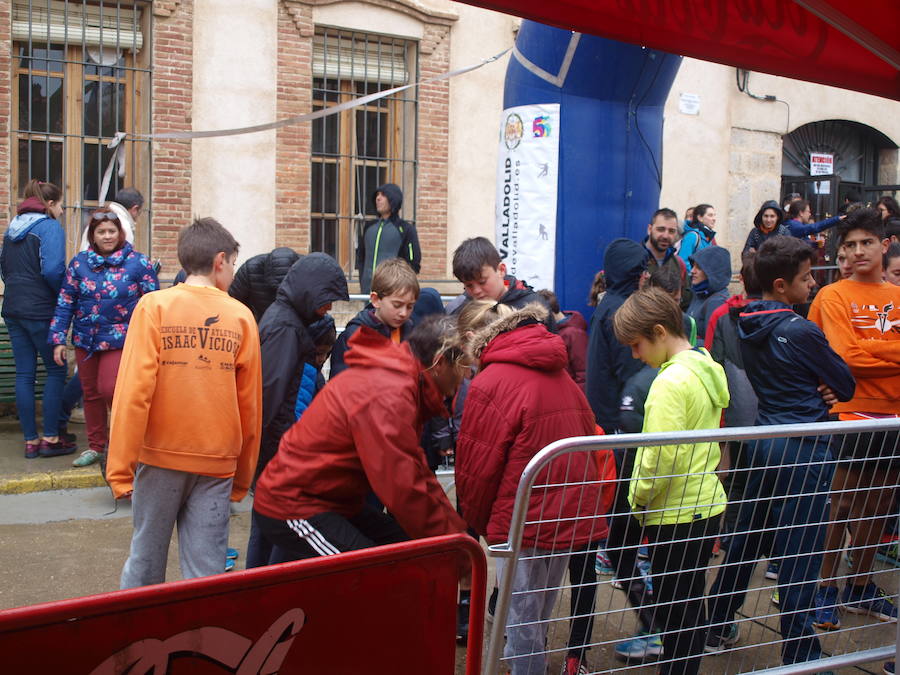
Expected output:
(676, 483)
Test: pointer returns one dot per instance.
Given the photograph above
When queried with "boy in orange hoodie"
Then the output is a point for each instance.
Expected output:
(186, 413)
(860, 316)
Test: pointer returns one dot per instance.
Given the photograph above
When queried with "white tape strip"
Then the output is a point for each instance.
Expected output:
(318, 113)
(560, 78)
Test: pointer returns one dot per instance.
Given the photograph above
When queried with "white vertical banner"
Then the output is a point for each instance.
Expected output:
(527, 179)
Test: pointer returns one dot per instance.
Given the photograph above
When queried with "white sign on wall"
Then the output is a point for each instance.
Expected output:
(821, 164)
(527, 175)
(689, 104)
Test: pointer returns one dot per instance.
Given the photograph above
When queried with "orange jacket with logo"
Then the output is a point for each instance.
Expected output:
(862, 324)
(189, 390)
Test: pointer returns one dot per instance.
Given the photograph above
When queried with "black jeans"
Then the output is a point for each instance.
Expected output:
(679, 555)
(329, 533)
(583, 579)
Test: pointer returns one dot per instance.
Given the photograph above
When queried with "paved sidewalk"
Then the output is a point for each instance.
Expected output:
(19, 475)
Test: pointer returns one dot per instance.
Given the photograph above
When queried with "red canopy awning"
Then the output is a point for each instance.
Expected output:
(852, 44)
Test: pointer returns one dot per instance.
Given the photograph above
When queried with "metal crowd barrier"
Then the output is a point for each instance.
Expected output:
(860, 638)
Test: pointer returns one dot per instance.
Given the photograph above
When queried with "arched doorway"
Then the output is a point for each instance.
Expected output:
(826, 161)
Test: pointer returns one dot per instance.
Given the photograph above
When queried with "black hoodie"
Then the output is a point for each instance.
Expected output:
(391, 238)
(786, 358)
(286, 344)
(609, 363)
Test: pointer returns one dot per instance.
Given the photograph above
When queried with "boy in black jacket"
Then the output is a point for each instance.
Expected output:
(784, 514)
(395, 291)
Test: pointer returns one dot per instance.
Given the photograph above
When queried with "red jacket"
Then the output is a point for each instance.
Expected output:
(363, 430)
(573, 331)
(521, 401)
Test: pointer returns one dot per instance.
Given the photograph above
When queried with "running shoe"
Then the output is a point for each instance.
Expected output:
(772, 569)
(828, 611)
(231, 553)
(574, 665)
(644, 568)
(229, 564)
(57, 449)
(871, 600)
(87, 458)
(776, 599)
(32, 450)
(720, 638)
(603, 566)
(641, 647)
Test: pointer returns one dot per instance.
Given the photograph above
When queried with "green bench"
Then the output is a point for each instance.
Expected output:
(8, 370)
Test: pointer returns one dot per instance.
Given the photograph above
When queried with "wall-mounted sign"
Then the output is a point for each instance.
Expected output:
(689, 104)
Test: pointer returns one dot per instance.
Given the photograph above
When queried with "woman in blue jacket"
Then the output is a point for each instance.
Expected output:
(102, 286)
(32, 263)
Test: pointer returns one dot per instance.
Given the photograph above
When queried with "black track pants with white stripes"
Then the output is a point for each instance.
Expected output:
(329, 533)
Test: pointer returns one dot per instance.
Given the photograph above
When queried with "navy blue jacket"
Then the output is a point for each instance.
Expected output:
(715, 261)
(786, 358)
(32, 265)
(365, 317)
(609, 362)
(801, 230)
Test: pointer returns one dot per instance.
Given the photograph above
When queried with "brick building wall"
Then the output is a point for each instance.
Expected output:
(171, 111)
(295, 38)
(294, 142)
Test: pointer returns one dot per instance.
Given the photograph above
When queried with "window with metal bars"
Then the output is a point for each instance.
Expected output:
(357, 150)
(81, 73)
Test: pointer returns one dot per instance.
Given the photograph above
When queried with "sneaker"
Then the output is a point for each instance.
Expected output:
(644, 568)
(574, 665)
(828, 613)
(87, 458)
(871, 600)
(644, 553)
(603, 566)
(77, 415)
(776, 599)
(888, 668)
(641, 647)
(64, 435)
(32, 450)
(231, 553)
(889, 553)
(229, 564)
(772, 569)
(717, 548)
(57, 449)
(720, 638)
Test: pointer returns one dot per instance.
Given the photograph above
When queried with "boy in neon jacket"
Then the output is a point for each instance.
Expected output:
(674, 492)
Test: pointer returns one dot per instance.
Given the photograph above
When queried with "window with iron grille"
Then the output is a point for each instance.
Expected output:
(357, 150)
(81, 73)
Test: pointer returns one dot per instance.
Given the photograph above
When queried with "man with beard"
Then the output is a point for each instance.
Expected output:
(663, 232)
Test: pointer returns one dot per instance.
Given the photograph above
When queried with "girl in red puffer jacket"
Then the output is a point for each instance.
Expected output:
(521, 400)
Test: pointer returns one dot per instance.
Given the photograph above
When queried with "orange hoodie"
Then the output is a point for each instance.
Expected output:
(862, 324)
(189, 390)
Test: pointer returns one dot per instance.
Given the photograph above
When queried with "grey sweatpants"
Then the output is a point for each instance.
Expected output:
(200, 507)
(531, 604)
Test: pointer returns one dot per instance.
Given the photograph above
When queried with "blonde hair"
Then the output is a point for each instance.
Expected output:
(476, 314)
(644, 310)
(394, 276)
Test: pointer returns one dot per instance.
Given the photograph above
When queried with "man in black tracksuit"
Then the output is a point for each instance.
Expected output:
(386, 238)
(609, 362)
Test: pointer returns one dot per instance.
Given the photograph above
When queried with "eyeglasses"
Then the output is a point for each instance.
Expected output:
(104, 215)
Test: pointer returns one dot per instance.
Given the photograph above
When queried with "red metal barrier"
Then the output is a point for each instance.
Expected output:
(390, 609)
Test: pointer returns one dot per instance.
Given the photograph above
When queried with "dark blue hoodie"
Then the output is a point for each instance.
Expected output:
(715, 261)
(32, 263)
(786, 358)
(609, 363)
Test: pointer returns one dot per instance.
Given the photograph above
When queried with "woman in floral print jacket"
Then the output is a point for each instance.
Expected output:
(103, 284)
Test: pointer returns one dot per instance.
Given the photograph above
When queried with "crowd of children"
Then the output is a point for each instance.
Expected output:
(497, 375)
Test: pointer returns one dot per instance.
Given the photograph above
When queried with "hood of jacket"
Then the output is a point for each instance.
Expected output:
(771, 204)
(710, 374)
(623, 263)
(312, 282)
(369, 349)
(22, 224)
(574, 320)
(760, 317)
(31, 205)
(428, 304)
(394, 196)
(114, 259)
(277, 264)
(523, 339)
(715, 261)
